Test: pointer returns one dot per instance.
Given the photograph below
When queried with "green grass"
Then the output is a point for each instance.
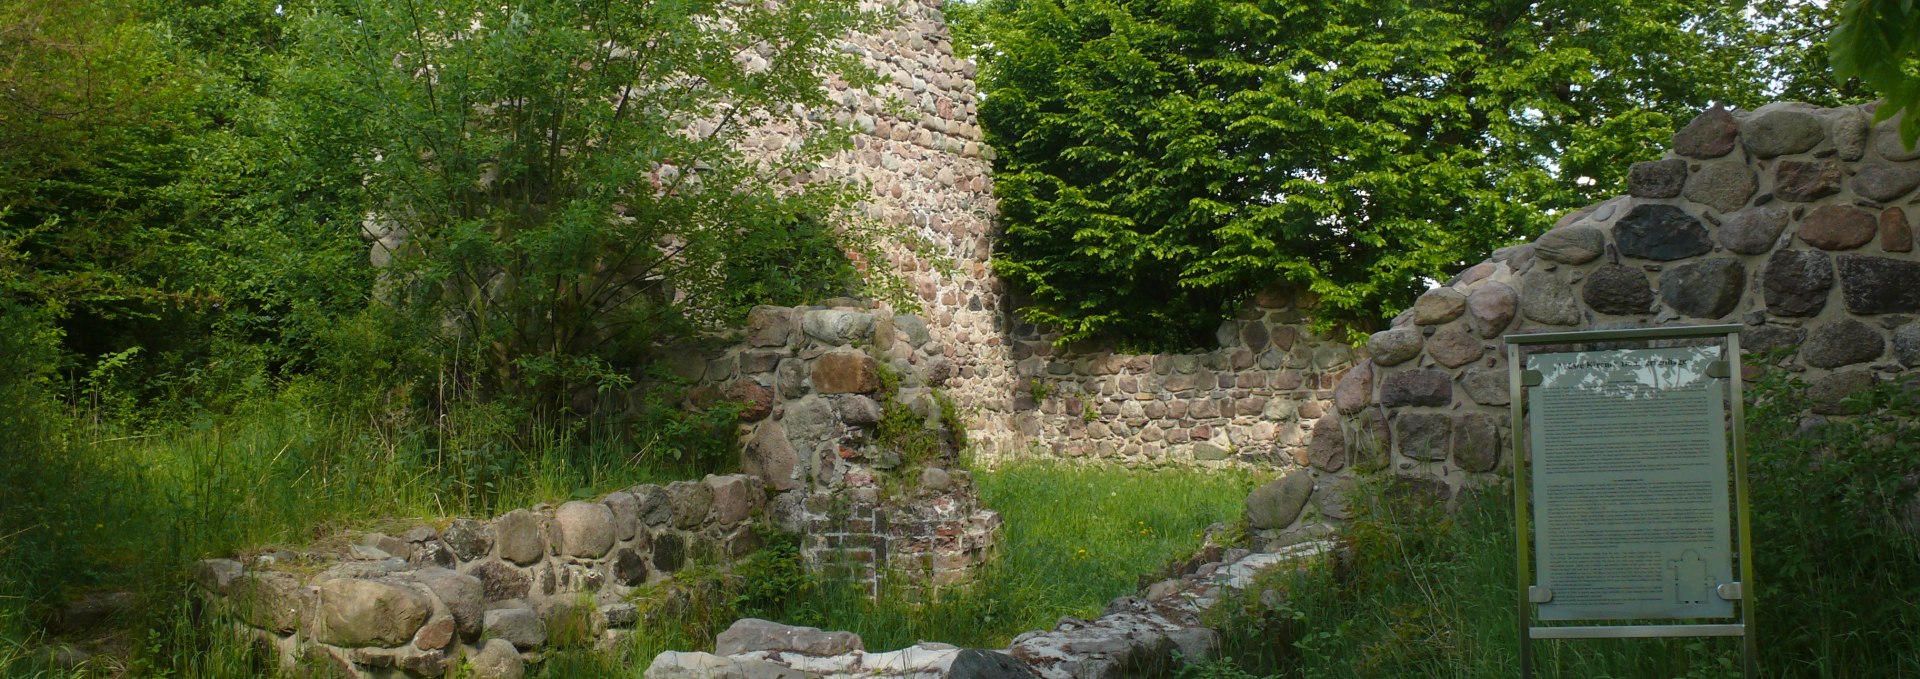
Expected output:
(1075, 537)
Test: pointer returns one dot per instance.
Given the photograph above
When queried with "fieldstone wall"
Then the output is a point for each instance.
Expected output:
(920, 149)
(848, 418)
(1792, 220)
(487, 594)
(1254, 400)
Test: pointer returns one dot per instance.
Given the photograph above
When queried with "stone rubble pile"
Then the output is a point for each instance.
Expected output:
(1146, 635)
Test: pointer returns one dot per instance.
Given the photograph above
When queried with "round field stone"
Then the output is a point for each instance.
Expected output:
(1829, 393)
(1454, 347)
(1486, 386)
(1708, 135)
(1544, 298)
(1796, 282)
(364, 612)
(1754, 230)
(1491, 307)
(583, 529)
(1841, 343)
(1837, 227)
(1422, 436)
(1780, 132)
(1278, 504)
(1618, 290)
(1704, 289)
(1440, 305)
(517, 534)
(1848, 127)
(1577, 244)
(1425, 387)
(1396, 346)
(1476, 442)
(1806, 180)
(1662, 233)
(1886, 141)
(1764, 338)
(1327, 451)
(1906, 344)
(1885, 182)
(1657, 178)
(1723, 185)
(1895, 235)
(1355, 389)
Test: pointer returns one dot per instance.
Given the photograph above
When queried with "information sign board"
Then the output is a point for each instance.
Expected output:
(1630, 484)
(1620, 458)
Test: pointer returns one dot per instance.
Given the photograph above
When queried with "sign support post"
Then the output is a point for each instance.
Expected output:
(1623, 453)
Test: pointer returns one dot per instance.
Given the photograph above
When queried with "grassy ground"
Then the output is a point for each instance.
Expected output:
(1076, 536)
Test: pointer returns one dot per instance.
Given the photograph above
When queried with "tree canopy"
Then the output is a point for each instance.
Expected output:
(1878, 42)
(1163, 160)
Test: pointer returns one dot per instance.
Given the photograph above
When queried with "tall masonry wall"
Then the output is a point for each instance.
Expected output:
(920, 148)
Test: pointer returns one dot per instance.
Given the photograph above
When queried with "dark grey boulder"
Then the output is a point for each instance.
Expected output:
(1879, 285)
(1705, 289)
(1618, 290)
(1796, 282)
(1425, 387)
(1661, 233)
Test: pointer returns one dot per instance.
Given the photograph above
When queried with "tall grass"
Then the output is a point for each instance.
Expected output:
(105, 506)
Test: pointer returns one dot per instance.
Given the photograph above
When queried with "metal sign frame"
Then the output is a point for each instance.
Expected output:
(1741, 593)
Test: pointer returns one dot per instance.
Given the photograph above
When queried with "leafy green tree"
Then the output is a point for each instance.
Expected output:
(1878, 42)
(1161, 160)
(556, 188)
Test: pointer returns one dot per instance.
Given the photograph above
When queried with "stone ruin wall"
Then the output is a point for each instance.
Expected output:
(1795, 221)
(1253, 400)
(919, 146)
(872, 498)
(816, 382)
(491, 594)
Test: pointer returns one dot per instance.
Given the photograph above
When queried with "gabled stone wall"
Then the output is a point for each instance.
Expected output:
(1795, 221)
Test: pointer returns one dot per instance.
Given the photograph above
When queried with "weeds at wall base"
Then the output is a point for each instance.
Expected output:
(1417, 593)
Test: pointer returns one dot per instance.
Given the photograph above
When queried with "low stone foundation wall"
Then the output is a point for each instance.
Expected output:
(489, 594)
